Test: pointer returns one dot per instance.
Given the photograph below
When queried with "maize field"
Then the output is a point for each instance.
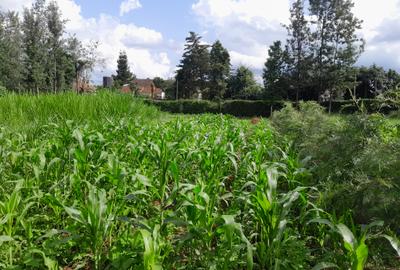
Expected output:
(197, 192)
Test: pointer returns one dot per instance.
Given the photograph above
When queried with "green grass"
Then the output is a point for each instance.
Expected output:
(28, 112)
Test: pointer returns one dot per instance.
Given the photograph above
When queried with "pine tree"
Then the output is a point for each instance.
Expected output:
(193, 71)
(124, 75)
(219, 70)
(275, 73)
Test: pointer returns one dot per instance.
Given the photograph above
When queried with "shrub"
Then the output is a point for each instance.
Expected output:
(354, 157)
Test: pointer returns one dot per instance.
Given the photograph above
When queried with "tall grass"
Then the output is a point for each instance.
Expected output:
(27, 112)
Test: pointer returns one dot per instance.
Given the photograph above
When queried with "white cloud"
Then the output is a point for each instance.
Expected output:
(248, 27)
(245, 27)
(131, 35)
(261, 13)
(128, 5)
(142, 46)
(381, 31)
(373, 13)
(254, 62)
(17, 5)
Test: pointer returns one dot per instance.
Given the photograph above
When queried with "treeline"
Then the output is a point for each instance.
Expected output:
(35, 54)
(205, 71)
(315, 62)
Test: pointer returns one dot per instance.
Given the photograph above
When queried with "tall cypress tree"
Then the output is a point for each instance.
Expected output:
(193, 71)
(124, 75)
(275, 72)
(219, 70)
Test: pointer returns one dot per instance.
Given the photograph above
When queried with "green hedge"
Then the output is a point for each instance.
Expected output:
(187, 106)
(250, 108)
(239, 108)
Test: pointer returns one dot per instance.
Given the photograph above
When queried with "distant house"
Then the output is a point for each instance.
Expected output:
(146, 88)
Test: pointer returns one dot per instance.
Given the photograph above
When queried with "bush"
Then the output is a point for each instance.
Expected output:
(354, 158)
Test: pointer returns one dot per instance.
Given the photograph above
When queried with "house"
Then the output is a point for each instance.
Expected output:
(146, 88)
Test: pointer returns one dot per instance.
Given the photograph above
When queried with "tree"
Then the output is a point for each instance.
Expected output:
(371, 81)
(56, 61)
(168, 86)
(275, 72)
(11, 68)
(159, 82)
(298, 49)
(335, 44)
(34, 54)
(34, 44)
(393, 79)
(124, 75)
(242, 85)
(219, 70)
(193, 71)
(83, 58)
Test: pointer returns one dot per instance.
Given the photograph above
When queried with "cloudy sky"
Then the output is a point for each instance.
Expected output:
(152, 32)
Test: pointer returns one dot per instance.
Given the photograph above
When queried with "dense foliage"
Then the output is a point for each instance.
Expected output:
(354, 157)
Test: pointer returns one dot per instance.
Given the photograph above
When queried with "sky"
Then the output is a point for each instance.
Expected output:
(153, 32)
